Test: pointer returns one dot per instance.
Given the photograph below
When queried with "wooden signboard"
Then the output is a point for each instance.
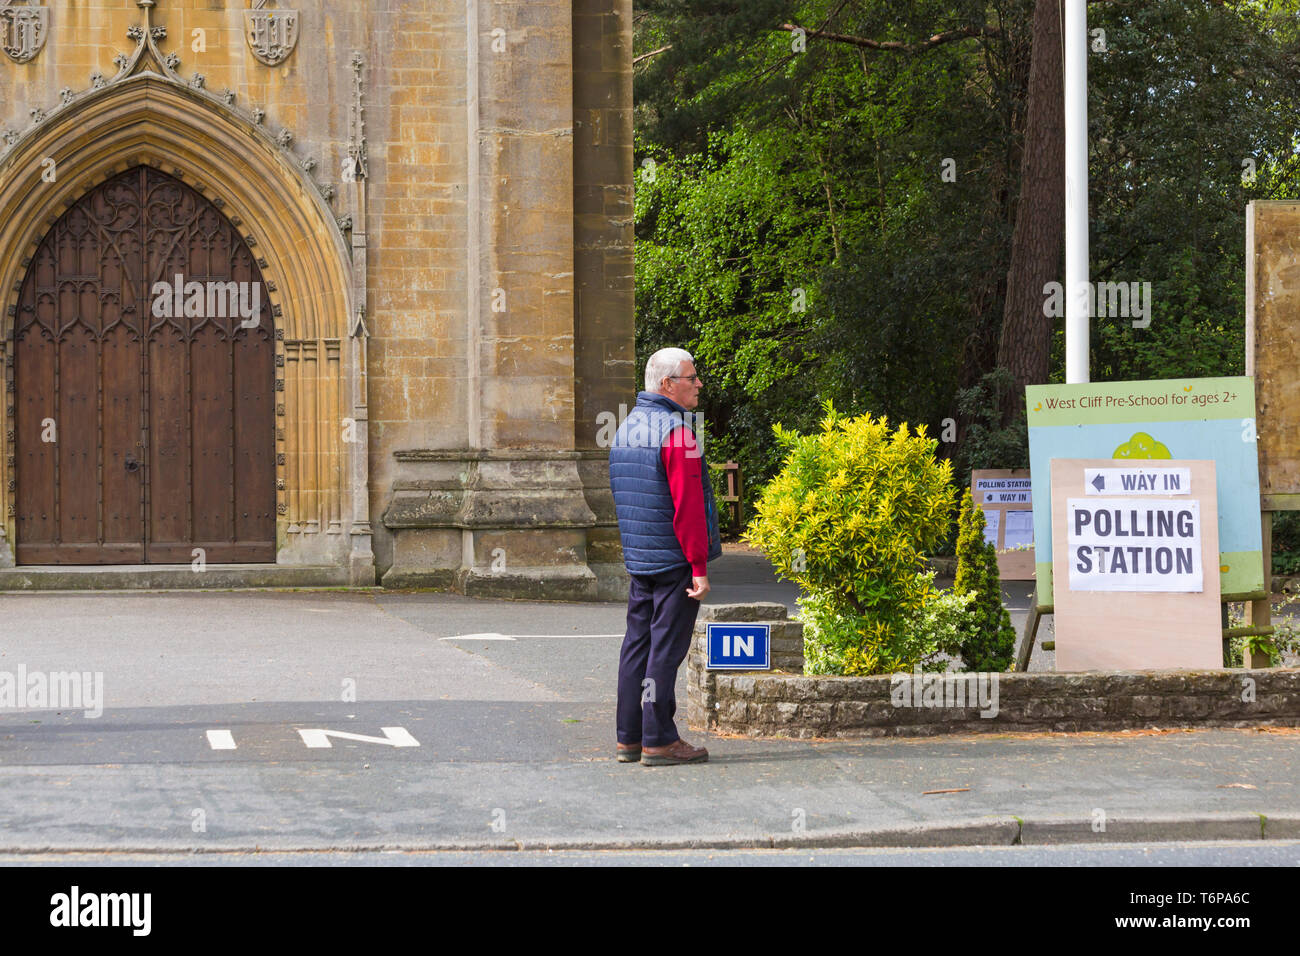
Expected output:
(1156, 421)
(1135, 564)
(1273, 346)
(1008, 503)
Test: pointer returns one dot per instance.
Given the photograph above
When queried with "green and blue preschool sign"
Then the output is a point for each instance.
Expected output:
(1192, 418)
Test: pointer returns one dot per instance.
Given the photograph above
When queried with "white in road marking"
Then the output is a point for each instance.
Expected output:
(221, 740)
(393, 737)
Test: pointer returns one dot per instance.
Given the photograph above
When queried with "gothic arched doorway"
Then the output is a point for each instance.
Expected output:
(144, 417)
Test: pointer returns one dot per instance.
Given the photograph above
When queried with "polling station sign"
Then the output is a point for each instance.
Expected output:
(1002, 491)
(1134, 544)
(1148, 425)
(739, 647)
(1006, 498)
(1135, 586)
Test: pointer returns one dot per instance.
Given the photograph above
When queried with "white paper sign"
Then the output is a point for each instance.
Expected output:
(1020, 529)
(991, 521)
(1007, 497)
(1003, 491)
(1002, 484)
(1134, 544)
(1137, 480)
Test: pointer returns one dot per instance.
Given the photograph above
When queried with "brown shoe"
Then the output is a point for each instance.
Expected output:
(679, 751)
(628, 753)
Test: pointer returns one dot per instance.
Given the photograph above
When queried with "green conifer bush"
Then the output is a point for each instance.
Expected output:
(991, 640)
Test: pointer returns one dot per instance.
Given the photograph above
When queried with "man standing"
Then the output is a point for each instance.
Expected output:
(668, 522)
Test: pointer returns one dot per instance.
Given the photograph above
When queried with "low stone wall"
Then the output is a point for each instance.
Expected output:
(770, 703)
(787, 652)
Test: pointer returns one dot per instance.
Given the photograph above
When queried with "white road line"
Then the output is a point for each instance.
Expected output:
(393, 737)
(221, 740)
(507, 637)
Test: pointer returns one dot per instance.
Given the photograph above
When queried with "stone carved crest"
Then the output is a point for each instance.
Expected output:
(23, 29)
(271, 34)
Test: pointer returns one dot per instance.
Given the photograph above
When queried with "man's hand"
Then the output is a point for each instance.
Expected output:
(701, 582)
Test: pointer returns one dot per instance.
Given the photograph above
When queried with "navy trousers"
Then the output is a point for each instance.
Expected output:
(660, 618)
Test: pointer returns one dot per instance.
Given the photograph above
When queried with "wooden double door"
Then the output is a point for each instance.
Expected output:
(144, 423)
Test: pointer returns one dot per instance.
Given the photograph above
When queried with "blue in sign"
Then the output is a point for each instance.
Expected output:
(739, 647)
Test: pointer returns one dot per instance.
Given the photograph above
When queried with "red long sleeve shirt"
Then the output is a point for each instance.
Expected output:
(684, 465)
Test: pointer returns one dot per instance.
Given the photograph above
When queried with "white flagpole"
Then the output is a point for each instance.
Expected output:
(1076, 191)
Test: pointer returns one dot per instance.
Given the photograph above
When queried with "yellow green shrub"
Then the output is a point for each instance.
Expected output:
(849, 519)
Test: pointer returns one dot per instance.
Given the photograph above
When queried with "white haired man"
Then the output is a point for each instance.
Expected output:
(668, 522)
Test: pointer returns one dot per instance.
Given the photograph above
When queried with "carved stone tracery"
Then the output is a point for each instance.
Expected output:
(147, 57)
(271, 34)
(23, 29)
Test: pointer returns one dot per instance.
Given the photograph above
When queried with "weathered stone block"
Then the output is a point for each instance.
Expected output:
(756, 611)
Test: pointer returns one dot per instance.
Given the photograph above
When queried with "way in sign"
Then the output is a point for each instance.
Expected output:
(1143, 482)
(1139, 481)
(317, 738)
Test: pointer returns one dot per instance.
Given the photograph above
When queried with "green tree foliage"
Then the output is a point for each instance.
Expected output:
(1184, 95)
(990, 444)
(797, 233)
(992, 640)
(849, 518)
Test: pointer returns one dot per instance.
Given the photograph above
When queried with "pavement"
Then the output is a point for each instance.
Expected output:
(351, 723)
(1200, 854)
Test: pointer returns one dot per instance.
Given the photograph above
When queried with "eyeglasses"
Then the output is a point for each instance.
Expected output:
(691, 378)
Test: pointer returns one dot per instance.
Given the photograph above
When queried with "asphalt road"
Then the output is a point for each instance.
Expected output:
(222, 714)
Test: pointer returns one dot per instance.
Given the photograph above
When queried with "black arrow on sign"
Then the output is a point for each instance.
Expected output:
(1099, 482)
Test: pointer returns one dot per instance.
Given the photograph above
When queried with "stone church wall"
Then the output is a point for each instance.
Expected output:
(463, 310)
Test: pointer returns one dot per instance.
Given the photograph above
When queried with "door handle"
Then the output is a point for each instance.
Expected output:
(132, 464)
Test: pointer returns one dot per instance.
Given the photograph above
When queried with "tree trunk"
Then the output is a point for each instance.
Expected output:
(1038, 240)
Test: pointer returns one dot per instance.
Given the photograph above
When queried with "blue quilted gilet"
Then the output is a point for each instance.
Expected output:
(642, 498)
